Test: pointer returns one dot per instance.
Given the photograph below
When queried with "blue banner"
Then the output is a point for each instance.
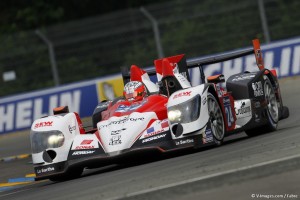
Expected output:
(284, 56)
(18, 113)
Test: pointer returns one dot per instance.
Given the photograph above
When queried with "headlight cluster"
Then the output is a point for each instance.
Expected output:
(185, 112)
(41, 141)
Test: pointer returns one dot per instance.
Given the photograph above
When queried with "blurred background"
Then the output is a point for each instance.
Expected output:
(50, 43)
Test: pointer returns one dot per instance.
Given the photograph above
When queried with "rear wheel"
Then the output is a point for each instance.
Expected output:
(216, 119)
(272, 107)
(271, 111)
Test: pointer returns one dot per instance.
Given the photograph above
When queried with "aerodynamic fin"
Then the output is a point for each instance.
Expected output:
(138, 74)
(258, 54)
(177, 62)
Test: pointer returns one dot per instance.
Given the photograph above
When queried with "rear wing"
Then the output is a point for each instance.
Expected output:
(211, 60)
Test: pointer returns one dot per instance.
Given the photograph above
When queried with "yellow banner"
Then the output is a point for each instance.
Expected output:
(110, 89)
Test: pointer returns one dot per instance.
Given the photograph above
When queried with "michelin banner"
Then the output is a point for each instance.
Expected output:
(18, 112)
(284, 56)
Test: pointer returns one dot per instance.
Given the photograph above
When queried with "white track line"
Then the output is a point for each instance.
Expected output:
(204, 177)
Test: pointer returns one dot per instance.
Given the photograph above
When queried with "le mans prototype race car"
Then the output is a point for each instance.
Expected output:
(159, 117)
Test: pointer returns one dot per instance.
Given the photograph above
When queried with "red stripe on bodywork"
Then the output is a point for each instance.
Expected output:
(99, 138)
(81, 129)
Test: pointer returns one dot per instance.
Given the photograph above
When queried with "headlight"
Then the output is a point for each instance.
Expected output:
(185, 112)
(55, 141)
(174, 114)
(41, 141)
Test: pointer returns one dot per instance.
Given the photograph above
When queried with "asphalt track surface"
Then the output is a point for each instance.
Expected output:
(263, 167)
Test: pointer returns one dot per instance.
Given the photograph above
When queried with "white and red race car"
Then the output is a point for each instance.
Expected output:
(156, 118)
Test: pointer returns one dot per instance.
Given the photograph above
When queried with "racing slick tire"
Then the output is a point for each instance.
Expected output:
(216, 119)
(271, 111)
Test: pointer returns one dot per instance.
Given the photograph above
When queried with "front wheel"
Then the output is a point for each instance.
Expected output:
(216, 119)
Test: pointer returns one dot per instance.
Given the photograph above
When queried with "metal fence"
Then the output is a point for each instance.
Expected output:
(98, 46)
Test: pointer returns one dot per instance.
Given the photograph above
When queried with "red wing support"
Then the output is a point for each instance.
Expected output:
(258, 54)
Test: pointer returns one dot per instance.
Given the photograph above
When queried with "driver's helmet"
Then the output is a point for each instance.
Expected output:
(134, 91)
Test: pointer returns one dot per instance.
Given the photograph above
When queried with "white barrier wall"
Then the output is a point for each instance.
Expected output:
(19, 111)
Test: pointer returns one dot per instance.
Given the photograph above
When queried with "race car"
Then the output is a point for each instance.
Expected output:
(155, 118)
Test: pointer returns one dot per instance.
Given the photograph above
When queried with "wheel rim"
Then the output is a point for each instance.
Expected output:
(272, 102)
(216, 117)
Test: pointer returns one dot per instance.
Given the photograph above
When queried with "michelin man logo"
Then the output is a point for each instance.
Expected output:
(108, 91)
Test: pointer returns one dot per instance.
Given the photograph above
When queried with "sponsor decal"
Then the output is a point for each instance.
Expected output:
(122, 121)
(243, 77)
(165, 124)
(243, 110)
(72, 128)
(85, 147)
(184, 74)
(136, 119)
(123, 108)
(204, 101)
(152, 132)
(258, 53)
(226, 101)
(257, 88)
(76, 153)
(134, 106)
(43, 124)
(182, 77)
(85, 142)
(44, 170)
(103, 105)
(154, 138)
(182, 94)
(228, 112)
(117, 131)
(220, 93)
(207, 136)
(160, 127)
(115, 140)
(187, 141)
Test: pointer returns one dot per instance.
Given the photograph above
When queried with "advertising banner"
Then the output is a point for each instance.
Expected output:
(284, 56)
(19, 111)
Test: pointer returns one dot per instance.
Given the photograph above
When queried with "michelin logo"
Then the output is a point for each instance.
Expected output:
(21, 114)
